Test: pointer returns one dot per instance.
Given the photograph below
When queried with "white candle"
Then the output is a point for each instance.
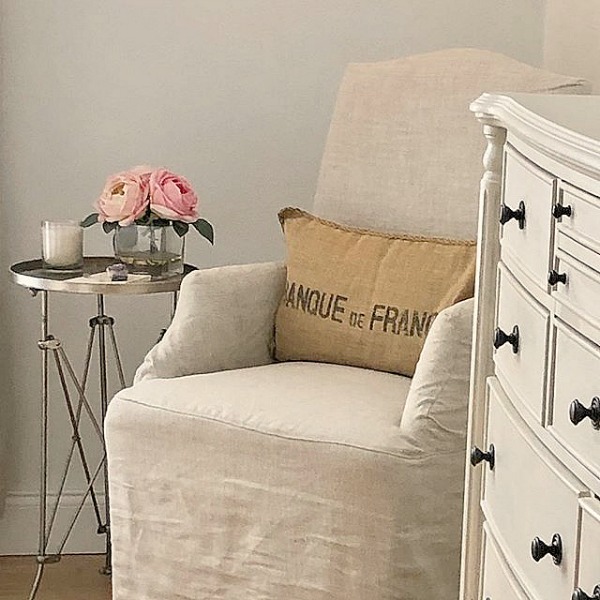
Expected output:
(62, 244)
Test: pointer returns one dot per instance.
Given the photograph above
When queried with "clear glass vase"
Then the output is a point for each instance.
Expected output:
(149, 249)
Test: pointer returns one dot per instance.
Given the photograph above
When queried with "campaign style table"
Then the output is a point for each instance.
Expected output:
(92, 279)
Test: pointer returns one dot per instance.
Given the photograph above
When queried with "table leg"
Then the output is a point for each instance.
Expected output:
(74, 417)
(174, 304)
(103, 321)
(42, 539)
(66, 373)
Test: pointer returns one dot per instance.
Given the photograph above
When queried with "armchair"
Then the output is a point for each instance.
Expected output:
(233, 476)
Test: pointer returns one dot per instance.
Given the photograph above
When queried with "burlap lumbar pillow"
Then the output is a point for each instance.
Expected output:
(357, 297)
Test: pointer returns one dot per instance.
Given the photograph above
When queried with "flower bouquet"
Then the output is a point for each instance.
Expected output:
(150, 211)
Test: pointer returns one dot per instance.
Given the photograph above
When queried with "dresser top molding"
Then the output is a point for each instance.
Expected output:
(565, 127)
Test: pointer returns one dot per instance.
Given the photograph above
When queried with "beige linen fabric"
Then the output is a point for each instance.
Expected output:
(224, 320)
(435, 412)
(404, 152)
(361, 298)
(248, 487)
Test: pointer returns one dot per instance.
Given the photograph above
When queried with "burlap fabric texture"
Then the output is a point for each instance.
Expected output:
(362, 298)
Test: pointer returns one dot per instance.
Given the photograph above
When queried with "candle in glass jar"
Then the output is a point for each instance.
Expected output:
(62, 245)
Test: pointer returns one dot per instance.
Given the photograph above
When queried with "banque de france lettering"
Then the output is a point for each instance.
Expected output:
(380, 317)
(315, 302)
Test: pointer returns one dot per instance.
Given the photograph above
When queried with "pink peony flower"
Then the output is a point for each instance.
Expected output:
(143, 171)
(124, 198)
(172, 197)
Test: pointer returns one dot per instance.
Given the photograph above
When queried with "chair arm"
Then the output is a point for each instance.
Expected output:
(435, 414)
(224, 320)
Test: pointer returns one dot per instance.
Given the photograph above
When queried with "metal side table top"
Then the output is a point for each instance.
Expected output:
(32, 275)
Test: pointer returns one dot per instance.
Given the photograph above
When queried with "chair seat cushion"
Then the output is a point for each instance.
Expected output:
(281, 481)
(301, 400)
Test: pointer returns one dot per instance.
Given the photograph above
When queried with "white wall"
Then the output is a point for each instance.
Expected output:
(572, 39)
(234, 94)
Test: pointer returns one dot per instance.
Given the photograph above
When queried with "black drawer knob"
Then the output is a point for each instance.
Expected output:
(559, 210)
(507, 213)
(478, 456)
(579, 594)
(501, 338)
(554, 277)
(578, 412)
(539, 549)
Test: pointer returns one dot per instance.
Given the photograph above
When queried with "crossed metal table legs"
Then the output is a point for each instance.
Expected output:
(52, 350)
(32, 275)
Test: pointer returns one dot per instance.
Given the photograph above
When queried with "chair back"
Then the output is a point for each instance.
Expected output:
(404, 152)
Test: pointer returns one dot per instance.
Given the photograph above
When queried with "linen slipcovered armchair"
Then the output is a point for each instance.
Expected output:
(233, 476)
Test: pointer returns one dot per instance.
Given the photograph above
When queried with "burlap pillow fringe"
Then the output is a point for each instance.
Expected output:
(290, 212)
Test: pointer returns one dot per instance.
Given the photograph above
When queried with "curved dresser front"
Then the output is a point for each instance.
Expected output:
(532, 500)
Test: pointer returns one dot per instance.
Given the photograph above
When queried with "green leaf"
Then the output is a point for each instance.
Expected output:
(90, 220)
(205, 229)
(143, 220)
(108, 227)
(180, 228)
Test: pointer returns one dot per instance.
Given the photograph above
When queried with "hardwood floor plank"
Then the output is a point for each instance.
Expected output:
(73, 578)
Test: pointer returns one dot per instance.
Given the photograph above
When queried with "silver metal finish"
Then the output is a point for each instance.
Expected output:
(174, 305)
(43, 454)
(103, 320)
(31, 275)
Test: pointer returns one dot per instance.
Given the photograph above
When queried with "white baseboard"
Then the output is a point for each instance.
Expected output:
(19, 525)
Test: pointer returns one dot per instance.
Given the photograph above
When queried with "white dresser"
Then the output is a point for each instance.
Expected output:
(532, 506)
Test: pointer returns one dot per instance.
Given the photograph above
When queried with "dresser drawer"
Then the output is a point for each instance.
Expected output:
(498, 581)
(576, 380)
(583, 222)
(526, 244)
(589, 550)
(581, 292)
(529, 495)
(521, 366)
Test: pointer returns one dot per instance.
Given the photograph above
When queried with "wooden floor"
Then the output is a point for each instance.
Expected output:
(75, 577)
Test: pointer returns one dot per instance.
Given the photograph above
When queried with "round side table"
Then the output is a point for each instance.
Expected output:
(90, 280)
